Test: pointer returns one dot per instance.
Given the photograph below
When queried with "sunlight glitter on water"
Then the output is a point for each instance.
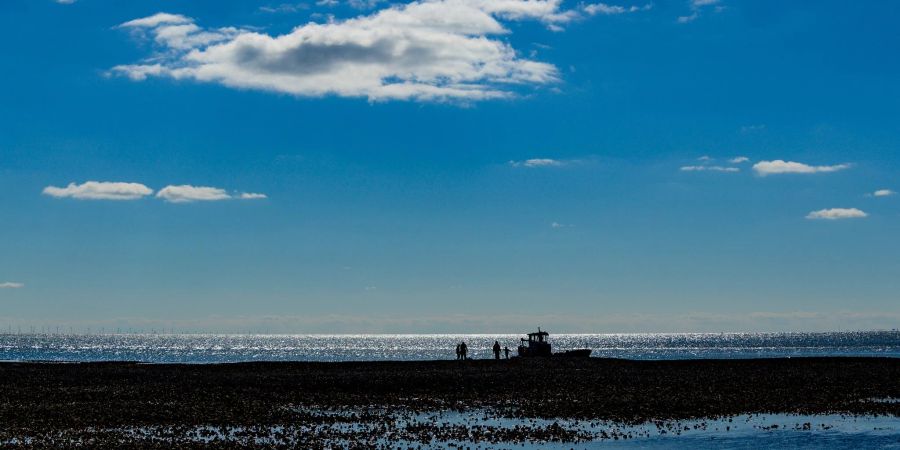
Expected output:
(212, 348)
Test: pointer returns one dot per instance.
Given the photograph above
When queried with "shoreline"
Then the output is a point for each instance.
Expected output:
(77, 401)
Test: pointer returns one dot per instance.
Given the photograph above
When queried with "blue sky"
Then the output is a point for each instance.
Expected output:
(450, 166)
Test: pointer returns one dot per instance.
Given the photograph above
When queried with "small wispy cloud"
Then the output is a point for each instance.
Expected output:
(251, 196)
(778, 166)
(558, 225)
(284, 8)
(611, 10)
(836, 214)
(709, 169)
(539, 162)
(697, 6)
(739, 160)
(883, 193)
(157, 20)
(100, 190)
(11, 285)
(65, 2)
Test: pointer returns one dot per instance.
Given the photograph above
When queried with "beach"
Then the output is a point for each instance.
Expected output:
(364, 404)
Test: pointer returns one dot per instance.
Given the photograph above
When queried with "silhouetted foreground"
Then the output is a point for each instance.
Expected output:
(312, 404)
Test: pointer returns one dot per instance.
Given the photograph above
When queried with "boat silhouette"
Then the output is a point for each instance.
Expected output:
(538, 345)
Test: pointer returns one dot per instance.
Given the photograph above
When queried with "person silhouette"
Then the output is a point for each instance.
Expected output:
(458, 352)
(464, 350)
(506, 350)
(496, 350)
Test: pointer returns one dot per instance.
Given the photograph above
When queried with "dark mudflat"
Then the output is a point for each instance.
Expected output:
(42, 400)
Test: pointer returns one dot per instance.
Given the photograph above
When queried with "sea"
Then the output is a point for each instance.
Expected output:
(226, 348)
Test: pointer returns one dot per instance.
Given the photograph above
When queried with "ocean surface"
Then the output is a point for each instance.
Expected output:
(215, 348)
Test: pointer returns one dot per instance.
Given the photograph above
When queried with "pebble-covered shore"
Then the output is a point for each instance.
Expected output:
(321, 405)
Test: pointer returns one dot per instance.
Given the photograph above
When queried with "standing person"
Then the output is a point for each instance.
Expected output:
(496, 350)
(506, 350)
(464, 350)
(458, 352)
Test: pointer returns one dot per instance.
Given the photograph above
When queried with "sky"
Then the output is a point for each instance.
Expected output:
(449, 166)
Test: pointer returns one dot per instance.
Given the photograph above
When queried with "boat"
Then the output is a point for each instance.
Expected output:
(538, 345)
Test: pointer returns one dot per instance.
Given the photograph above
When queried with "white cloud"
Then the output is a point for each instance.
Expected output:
(65, 2)
(704, 158)
(778, 166)
(105, 190)
(538, 162)
(609, 10)
(11, 285)
(431, 50)
(363, 4)
(157, 20)
(709, 169)
(697, 6)
(285, 8)
(140, 72)
(186, 193)
(883, 193)
(251, 196)
(836, 214)
(739, 159)
(100, 190)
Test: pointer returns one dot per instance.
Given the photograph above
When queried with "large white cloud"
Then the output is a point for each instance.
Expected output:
(425, 50)
(778, 166)
(837, 214)
(100, 190)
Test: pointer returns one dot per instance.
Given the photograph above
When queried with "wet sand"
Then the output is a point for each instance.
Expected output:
(321, 404)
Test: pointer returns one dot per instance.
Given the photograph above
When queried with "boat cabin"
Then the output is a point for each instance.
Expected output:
(537, 344)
